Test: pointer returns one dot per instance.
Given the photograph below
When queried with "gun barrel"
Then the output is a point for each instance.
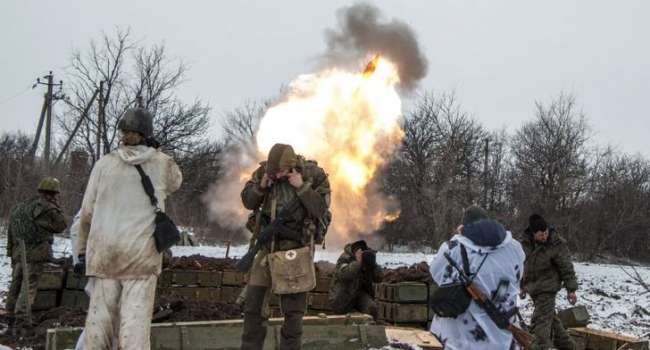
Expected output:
(246, 262)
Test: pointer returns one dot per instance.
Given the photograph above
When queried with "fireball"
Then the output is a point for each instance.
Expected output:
(350, 123)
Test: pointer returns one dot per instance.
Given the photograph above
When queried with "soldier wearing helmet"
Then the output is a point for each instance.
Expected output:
(115, 243)
(34, 221)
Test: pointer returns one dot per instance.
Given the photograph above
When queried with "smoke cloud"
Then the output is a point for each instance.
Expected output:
(362, 31)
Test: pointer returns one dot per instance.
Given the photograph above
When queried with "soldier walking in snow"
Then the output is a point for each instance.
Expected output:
(291, 196)
(548, 269)
(116, 244)
(34, 222)
(356, 271)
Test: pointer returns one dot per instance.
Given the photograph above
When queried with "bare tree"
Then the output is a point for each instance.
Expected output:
(550, 159)
(129, 69)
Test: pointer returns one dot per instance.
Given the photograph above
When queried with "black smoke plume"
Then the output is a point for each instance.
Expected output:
(362, 31)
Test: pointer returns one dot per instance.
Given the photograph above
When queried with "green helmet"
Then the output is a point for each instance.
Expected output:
(138, 120)
(50, 184)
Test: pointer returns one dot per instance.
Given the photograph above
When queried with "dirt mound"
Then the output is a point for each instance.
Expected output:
(414, 273)
(18, 334)
(188, 310)
(204, 263)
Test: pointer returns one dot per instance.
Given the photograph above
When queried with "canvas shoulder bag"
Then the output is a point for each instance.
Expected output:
(292, 271)
(166, 233)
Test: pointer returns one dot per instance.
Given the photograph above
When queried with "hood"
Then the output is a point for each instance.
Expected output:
(136, 154)
(485, 233)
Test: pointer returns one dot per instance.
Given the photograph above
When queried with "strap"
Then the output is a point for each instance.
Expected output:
(466, 268)
(463, 255)
(148, 186)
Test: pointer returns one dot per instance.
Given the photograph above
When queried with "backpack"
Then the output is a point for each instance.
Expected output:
(452, 299)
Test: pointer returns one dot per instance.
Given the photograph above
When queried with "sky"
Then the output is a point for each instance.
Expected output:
(498, 56)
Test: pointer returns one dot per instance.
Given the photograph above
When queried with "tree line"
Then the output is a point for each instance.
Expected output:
(596, 196)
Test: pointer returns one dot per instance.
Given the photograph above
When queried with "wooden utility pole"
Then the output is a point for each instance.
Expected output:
(83, 116)
(46, 116)
(41, 119)
(48, 120)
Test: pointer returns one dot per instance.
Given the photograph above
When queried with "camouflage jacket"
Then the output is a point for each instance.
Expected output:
(314, 197)
(548, 267)
(35, 221)
(350, 280)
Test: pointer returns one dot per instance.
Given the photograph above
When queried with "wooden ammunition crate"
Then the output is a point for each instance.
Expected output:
(318, 301)
(403, 313)
(191, 293)
(323, 284)
(592, 339)
(190, 278)
(233, 278)
(74, 298)
(229, 294)
(51, 279)
(322, 333)
(405, 292)
(74, 281)
(45, 300)
(576, 316)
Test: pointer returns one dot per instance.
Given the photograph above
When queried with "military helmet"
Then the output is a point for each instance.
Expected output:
(138, 120)
(281, 157)
(49, 184)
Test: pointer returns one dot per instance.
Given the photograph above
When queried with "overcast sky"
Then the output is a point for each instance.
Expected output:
(498, 56)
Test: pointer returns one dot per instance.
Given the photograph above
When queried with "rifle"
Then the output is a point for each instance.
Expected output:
(25, 283)
(266, 235)
(499, 318)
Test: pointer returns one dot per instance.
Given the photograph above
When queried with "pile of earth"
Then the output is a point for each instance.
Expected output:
(16, 333)
(200, 262)
(415, 273)
(176, 310)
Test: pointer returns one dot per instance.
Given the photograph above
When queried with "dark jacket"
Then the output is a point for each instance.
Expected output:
(314, 197)
(350, 279)
(548, 267)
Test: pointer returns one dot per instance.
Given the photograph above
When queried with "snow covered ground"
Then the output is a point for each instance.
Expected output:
(613, 299)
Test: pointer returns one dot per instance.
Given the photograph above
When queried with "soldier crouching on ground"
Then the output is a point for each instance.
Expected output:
(285, 180)
(356, 271)
(548, 268)
(33, 221)
(116, 243)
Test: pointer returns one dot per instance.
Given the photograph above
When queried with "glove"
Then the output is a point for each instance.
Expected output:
(368, 260)
(80, 267)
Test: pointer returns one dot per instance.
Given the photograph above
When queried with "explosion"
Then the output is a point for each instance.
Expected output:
(349, 123)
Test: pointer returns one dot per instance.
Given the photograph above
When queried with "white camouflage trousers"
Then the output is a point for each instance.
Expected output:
(128, 303)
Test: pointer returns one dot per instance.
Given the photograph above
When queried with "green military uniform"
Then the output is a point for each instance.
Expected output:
(313, 196)
(547, 270)
(352, 288)
(34, 221)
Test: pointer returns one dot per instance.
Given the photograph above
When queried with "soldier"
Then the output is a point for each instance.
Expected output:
(488, 253)
(282, 179)
(356, 271)
(33, 221)
(115, 244)
(548, 268)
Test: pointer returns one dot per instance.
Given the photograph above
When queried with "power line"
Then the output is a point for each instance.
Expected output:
(16, 95)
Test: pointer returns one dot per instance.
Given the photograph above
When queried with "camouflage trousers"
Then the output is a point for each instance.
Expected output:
(547, 327)
(293, 308)
(15, 301)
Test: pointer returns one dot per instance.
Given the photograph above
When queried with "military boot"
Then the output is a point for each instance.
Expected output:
(254, 321)
(293, 308)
